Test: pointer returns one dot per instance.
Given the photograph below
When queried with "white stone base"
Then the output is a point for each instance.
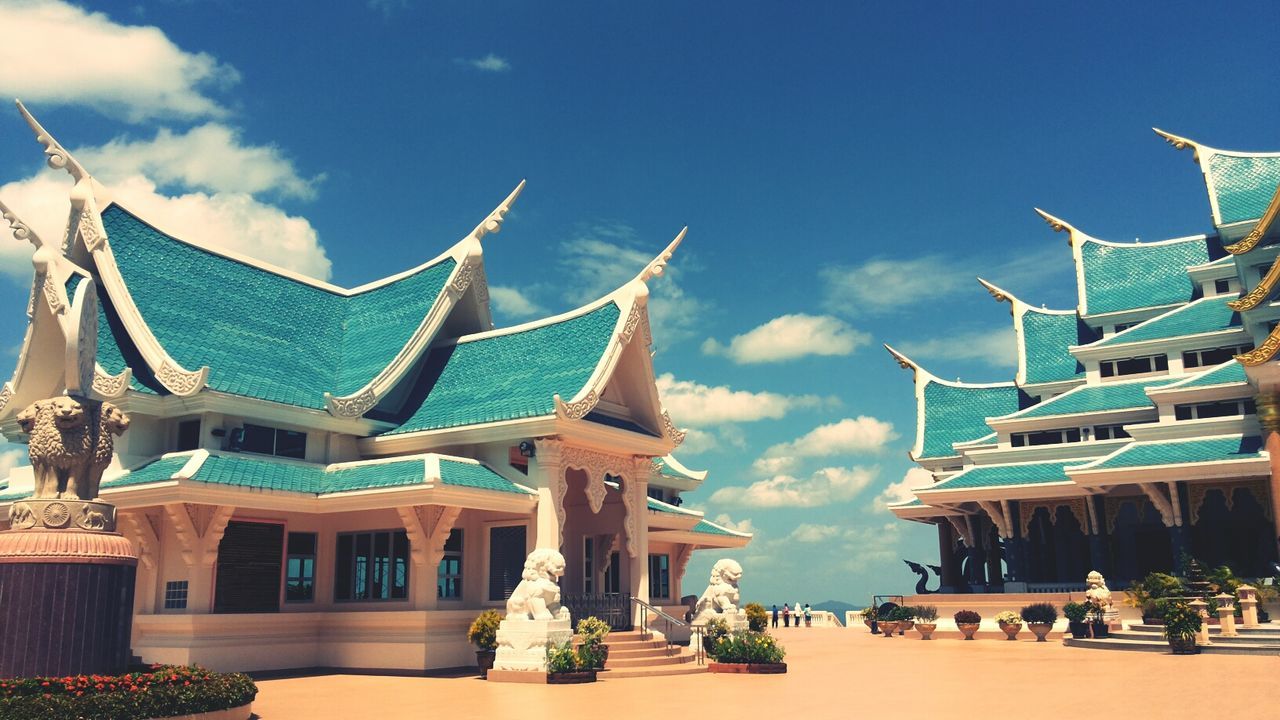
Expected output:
(737, 623)
(522, 644)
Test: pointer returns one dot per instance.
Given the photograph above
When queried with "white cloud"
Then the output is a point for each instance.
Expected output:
(996, 347)
(57, 53)
(700, 405)
(17, 457)
(512, 302)
(850, 435)
(826, 486)
(880, 284)
(810, 533)
(789, 337)
(209, 157)
(767, 466)
(697, 442)
(601, 258)
(742, 526)
(488, 63)
(902, 491)
(228, 221)
(871, 544)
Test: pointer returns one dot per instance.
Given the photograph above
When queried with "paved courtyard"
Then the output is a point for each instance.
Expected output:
(834, 673)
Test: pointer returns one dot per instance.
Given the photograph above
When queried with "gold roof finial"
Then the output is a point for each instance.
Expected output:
(1178, 142)
(59, 158)
(1059, 225)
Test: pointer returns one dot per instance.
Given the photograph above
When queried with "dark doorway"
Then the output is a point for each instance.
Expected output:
(249, 564)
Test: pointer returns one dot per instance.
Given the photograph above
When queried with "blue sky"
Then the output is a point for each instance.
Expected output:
(845, 169)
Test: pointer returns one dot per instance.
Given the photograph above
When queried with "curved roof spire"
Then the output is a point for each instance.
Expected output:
(1000, 294)
(659, 264)
(1060, 225)
(493, 223)
(1180, 143)
(906, 363)
(58, 157)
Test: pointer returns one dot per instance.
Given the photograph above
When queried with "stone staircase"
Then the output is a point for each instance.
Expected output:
(1264, 640)
(636, 654)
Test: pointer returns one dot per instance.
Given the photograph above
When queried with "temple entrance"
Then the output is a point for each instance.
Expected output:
(1231, 528)
(1139, 539)
(1057, 548)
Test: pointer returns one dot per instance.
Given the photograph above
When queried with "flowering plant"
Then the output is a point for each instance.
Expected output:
(164, 691)
(748, 647)
(967, 617)
(1008, 617)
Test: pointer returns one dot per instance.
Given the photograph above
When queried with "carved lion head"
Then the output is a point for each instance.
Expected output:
(544, 564)
(27, 418)
(726, 571)
(113, 419)
(67, 413)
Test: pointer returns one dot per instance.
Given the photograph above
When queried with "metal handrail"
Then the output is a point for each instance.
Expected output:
(669, 622)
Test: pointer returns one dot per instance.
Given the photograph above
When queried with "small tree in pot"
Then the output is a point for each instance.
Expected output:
(593, 652)
(968, 621)
(1010, 622)
(905, 616)
(483, 633)
(1181, 623)
(926, 620)
(1077, 616)
(1040, 617)
(757, 617)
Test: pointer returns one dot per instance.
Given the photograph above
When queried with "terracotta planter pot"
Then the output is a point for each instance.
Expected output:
(905, 625)
(867, 622)
(748, 668)
(1011, 629)
(571, 678)
(926, 630)
(1040, 630)
(1183, 646)
(968, 629)
(484, 661)
(1099, 630)
(888, 628)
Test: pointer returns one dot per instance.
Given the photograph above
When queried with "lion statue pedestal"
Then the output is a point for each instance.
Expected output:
(69, 575)
(535, 620)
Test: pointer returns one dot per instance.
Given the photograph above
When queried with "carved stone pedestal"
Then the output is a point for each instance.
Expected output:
(66, 601)
(522, 644)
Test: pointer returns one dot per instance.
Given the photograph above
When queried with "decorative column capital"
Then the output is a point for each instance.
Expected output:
(1268, 405)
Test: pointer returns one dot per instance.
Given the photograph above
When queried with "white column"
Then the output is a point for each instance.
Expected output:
(637, 488)
(547, 471)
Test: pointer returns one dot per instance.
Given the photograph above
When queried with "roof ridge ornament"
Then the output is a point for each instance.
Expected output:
(659, 264)
(1180, 143)
(1059, 225)
(1000, 294)
(904, 362)
(58, 157)
(1250, 241)
(493, 223)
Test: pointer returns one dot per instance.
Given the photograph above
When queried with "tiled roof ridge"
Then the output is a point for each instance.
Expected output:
(1114, 339)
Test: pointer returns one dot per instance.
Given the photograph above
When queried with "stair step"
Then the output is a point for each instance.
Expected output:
(1162, 646)
(1255, 639)
(635, 644)
(654, 671)
(630, 662)
(659, 650)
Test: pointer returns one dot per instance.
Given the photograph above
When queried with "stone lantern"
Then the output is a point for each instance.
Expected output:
(1201, 608)
(1226, 614)
(1248, 605)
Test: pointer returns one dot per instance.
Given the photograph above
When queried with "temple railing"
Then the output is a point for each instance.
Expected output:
(1055, 587)
(673, 631)
(613, 608)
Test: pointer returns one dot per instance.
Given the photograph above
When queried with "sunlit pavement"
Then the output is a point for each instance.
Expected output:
(833, 673)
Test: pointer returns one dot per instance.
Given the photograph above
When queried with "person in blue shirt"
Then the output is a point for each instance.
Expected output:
(775, 616)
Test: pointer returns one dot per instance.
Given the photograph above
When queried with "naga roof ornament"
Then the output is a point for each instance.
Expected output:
(1059, 225)
(1179, 143)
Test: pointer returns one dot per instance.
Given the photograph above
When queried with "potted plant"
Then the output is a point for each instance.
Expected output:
(905, 617)
(1010, 622)
(714, 631)
(564, 667)
(967, 621)
(869, 618)
(926, 620)
(1040, 618)
(753, 653)
(483, 633)
(592, 651)
(757, 617)
(1077, 615)
(1097, 626)
(1181, 623)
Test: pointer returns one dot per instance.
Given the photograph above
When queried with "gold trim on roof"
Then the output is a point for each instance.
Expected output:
(1179, 143)
(1254, 237)
(1264, 352)
(1259, 294)
(1058, 225)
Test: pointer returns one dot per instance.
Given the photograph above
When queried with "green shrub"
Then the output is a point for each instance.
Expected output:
(715, 631)
(757, 617)
(925, 613)
(868, 613)
(1181, 621)
(1040, 613)
(561, 658)
(164, 691)
(1076, 612)
(967, 617)
(592, 630)
(901, 614)
(749, 647)
(1153, 609)
(483, 632)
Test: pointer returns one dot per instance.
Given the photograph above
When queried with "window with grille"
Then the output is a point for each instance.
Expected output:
(372, 566)
(506, 560)
(175, 595)
(449, 574)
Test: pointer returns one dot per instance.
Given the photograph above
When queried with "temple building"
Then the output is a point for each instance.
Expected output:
(1140, 427)
(318, 476)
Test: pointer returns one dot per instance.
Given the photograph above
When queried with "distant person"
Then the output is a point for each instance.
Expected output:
(786, 615)
(775, 616)
(798, 606)
(808, 615)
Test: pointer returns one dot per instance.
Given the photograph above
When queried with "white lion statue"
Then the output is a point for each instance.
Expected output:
(60, 445)
(721, 596)
(537, 597)
(1096, 590)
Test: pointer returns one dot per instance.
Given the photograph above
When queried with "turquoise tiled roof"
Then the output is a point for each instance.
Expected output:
(1045, 339)
(1094, 398)
(1179, 452)
(1244, 185)
(957, 413)
(509, 375)
(264, 335)
(709, 528)
(1128, 277)
(110, 356)
(478, 476)
(1228, 373)
(1202, 316)
(1003, 475)
(913, 502)
(157, 470)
